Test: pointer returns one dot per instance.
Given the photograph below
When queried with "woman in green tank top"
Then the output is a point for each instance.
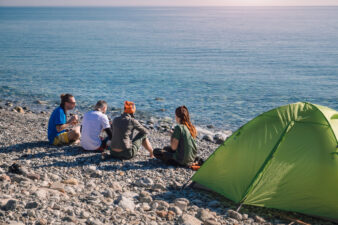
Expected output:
(182, 150)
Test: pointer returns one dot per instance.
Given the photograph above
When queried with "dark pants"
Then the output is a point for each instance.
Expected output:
(131, 152)
(166, 155)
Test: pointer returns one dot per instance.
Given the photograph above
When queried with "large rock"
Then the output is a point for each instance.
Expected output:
(176, 210)
(71, 181)
(41, 102)
(41, 193)
(108, 193)
(85, 215)
(145, 182)
(235, 215)
(91, 169)
(19, 109)
(162, 213)
(220, 138)
(126, 203)
(145, 197)
(208, 137)
(70, 190)
(211, 222)
(33, 176)
(182, 203)
(92, 221)
(146, 206)
(116, 186)
(41, 222)
(54, 177)
(160, 205)
(57, 186)
(158, 186)
(15, 223)
(11, 205)
(204, 215)
(4, 177)
(9, 104)
(259, 219)
(94, 172)
(187, 219)
(18, 178)
(31, 205)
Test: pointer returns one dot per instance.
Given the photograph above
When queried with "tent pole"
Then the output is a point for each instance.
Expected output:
(185, 185)
(239, 207)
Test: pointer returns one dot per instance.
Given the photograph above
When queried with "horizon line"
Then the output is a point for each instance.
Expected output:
(112, 6)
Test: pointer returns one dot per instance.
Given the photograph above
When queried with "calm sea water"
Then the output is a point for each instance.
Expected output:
(226, 64)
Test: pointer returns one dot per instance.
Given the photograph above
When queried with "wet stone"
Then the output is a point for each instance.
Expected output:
(11, 205)
(31, 205)
(208, 138)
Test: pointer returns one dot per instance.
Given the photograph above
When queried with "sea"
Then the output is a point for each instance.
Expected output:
(226, 64)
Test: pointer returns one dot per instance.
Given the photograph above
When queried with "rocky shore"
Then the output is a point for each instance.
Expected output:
(65, 185)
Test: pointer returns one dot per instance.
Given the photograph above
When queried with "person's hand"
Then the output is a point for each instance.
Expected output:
(74, 120)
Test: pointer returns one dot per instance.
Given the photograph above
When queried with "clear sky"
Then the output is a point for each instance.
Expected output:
(166, 2)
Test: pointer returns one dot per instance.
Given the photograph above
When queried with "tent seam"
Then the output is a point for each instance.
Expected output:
(328, 122)
(266, 162)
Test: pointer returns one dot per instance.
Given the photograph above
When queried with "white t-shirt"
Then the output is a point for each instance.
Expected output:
(92, 124)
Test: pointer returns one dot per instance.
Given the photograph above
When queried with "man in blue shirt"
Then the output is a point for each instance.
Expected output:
(58, 133)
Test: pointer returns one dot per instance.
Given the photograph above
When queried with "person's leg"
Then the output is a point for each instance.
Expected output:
(103, 145)
(142, 140)
(125, 154)
(146, 144)
(168, 149)
(166, 155)
(158, 153)
(61, 139)
(74, 134)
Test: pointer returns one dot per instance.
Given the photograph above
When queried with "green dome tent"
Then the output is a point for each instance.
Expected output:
(286, 158)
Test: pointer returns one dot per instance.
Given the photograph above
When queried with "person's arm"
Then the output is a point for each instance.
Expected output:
(106, 126)
(175, 137)
(109, 133)
(174, 144)
(139, 127)
(70, 122)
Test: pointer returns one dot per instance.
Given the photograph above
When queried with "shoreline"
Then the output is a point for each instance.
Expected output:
(67, 185)
(206, 132)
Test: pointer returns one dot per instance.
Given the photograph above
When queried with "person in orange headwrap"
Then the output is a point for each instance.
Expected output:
(123, 145)
(182, 150)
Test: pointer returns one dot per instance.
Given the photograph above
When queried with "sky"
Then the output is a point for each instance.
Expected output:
(167, 2)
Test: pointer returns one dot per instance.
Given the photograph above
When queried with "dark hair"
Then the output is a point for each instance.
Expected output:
(100, 104)
(65, 98)
(183, 113)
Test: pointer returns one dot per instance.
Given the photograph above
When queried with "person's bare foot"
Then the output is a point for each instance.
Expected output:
(105, 156)
(77, 142)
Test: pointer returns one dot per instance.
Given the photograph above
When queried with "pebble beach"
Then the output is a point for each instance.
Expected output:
(66, 185)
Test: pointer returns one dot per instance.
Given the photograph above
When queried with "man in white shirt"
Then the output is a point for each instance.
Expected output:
(93, 123)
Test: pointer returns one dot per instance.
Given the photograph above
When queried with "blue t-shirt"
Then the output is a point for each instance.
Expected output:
(58, 117)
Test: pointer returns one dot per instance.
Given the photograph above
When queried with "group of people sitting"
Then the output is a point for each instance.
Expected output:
(120, 140)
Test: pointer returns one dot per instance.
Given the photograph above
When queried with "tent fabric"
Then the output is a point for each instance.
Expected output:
(286, 158)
